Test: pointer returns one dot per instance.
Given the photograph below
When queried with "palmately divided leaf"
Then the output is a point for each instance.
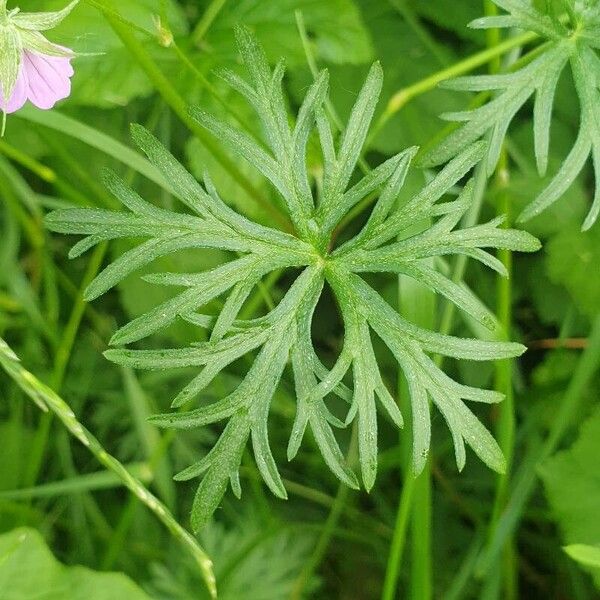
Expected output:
(398, 237)
(575, 46)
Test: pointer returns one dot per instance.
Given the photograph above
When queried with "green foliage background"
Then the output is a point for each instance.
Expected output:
(465, 535)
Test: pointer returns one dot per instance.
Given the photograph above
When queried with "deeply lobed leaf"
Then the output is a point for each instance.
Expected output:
(390, 242)
(572, 44)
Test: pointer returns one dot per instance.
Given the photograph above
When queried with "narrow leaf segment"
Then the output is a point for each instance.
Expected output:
(390, 242)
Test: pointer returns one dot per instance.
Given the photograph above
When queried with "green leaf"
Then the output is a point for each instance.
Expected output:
(573, 491)
(355, 133)
(27, 568)
(394, 240)
(570, 258)
(539, 78)
(225, 458)
(588, 141)
(456, 20)
(336, 27)
(588, 556)
(209, 286)
(513, 89)
(245, 145)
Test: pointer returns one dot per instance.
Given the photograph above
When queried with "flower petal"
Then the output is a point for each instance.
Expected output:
(19, 94)
(48, 78)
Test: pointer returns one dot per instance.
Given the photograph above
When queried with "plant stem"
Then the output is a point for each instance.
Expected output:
(322, 544)
(210, 14)
(179, 107)
(42, 171)
(417, 304)
(404, 96)
(492, 36)
(48, 400)
(525, 479)
(421, 576)
(421, 580)
(61, 359)
(392, 572)
(331, 523)
(107, 10)
(503, 383)
(505, 429)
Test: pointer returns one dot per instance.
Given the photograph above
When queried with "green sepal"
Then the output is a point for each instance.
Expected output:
(34, 41)
(10, 59)
(42, 21)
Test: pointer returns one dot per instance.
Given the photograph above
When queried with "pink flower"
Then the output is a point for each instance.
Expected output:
(42, 79)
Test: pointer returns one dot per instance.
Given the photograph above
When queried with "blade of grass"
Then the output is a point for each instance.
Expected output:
(63, 187)
(61, 360)
(331, 523)
(525, 480)
(456, 590)
(402, 97)
(79, 174)
(417, 304)
(150, 439)
(18, 197)
(48, 400)
(42, 171)
(503, 381)
(95, 139)
(25, 212)
(100, 480)
(178, 105)
(155, 448)
(210, 14)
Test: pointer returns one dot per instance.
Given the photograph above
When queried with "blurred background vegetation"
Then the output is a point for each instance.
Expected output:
(144, 61)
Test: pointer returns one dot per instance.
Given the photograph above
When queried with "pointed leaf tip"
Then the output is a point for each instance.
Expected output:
(376, 75)
(111, 354)
(89, 294)
(499, 467)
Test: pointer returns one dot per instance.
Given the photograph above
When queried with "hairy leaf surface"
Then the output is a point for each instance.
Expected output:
(572, 41)
(390, 242)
